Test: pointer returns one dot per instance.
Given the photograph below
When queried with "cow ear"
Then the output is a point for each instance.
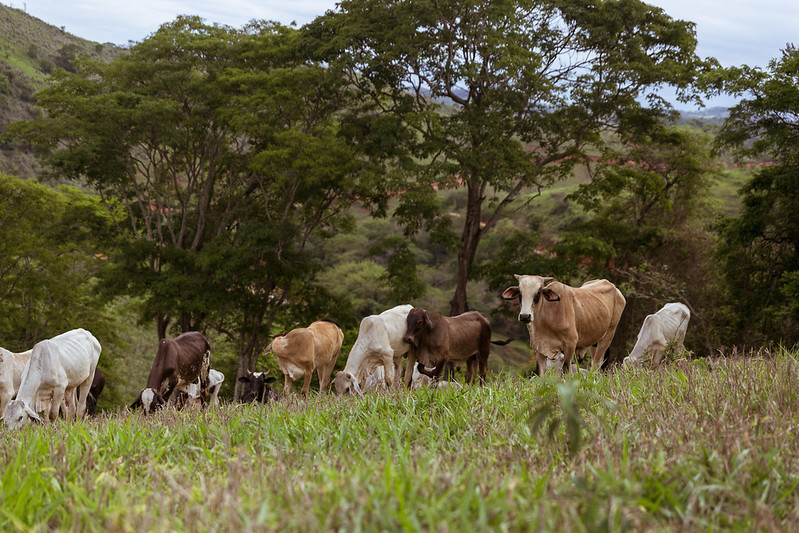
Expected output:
(550, 295)
(244, 379)
(511, 293)
(270, 379)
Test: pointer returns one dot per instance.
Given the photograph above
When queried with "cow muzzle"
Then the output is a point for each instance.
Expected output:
(526, 318)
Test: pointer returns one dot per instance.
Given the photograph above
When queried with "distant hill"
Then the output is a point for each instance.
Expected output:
(30, 50)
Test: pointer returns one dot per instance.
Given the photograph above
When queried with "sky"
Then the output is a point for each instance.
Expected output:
(735, 32)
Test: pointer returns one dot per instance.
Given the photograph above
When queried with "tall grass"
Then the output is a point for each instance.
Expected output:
(697, 445)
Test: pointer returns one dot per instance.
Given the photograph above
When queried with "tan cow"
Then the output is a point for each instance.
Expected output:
(303, 350)
(567, 319)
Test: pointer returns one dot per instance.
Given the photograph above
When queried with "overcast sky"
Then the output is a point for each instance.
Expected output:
(733, 31)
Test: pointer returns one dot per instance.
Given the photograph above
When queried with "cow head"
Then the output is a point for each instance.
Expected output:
(17, 414)
(529, 293)
(346, 383)
(149, 400)
(418, 325)
(259, 389)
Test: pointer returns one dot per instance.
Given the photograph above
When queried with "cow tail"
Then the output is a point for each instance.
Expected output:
(503, 343)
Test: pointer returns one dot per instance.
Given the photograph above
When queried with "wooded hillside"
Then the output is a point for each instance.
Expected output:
(242, 182)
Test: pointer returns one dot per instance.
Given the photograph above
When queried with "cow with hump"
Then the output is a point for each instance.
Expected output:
(437, 340)
(567, 320)
(303, 350)
(669, 324)
(178, 363)
(59, 368)
(379, 344)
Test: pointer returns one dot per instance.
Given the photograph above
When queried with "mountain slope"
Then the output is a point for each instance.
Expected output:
(30, 50)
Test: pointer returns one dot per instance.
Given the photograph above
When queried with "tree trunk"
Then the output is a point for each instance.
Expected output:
(246, 363)
(470, 239)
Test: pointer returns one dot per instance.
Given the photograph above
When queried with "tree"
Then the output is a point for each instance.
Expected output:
(760, 248)
(50, 252)
(498, 96)
(224, 149)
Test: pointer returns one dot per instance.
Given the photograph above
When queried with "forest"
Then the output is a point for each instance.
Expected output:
(242, 182)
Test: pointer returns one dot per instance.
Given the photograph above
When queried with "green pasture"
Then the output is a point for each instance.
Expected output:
(698, 445)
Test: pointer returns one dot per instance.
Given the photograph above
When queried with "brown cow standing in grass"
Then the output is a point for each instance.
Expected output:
(437, 340)
(178, 363)
(303, 350)
(567, 319)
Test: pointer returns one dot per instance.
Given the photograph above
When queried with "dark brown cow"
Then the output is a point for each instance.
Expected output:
(259, 389)
(178, 363)
(438, 340)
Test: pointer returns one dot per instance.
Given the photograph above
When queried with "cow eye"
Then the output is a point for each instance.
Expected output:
(537, 297)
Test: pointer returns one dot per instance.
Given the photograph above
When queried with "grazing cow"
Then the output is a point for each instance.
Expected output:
(258, 389)
(192, 395)
(669, 324)
(379, 344)
(178, 363)
(98, 384)
(567, 319)
(11, 367)
(303, 350)
(59, 368)
(437, 340)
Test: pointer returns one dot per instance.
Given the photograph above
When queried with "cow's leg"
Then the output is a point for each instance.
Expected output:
(286, 385)
(397, 372)
(598, 355)
(470, 364)
(568, 356)
(388, 369)
(55, 403)
(81, 395)
(657, 355)
(409, 369)
(482, 361)
(324, 375)
(306, 382)
(541, 362)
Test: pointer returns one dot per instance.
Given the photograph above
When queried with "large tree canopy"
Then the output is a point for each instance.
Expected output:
(761, 247)
(223, 149)
(498, 96)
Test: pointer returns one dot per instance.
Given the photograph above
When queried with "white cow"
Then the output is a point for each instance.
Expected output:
(59, 368)
(215, 379)
(669, 324)
(11, 367)
(379, 343)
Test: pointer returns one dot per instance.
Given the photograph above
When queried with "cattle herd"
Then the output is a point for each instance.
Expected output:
(60, 375)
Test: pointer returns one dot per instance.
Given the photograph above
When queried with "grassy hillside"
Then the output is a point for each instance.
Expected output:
(30, 50)
(701, 445)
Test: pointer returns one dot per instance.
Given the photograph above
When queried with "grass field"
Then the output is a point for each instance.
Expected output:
(698, 445)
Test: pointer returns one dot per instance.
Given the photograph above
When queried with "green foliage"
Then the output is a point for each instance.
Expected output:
(498, 96)
(761, 247)
(692, 446)
(50, 252)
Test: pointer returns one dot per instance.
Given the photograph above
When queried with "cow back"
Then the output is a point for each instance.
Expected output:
(181, 357)
(327, 341)
(469, 333)
(588, 311)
